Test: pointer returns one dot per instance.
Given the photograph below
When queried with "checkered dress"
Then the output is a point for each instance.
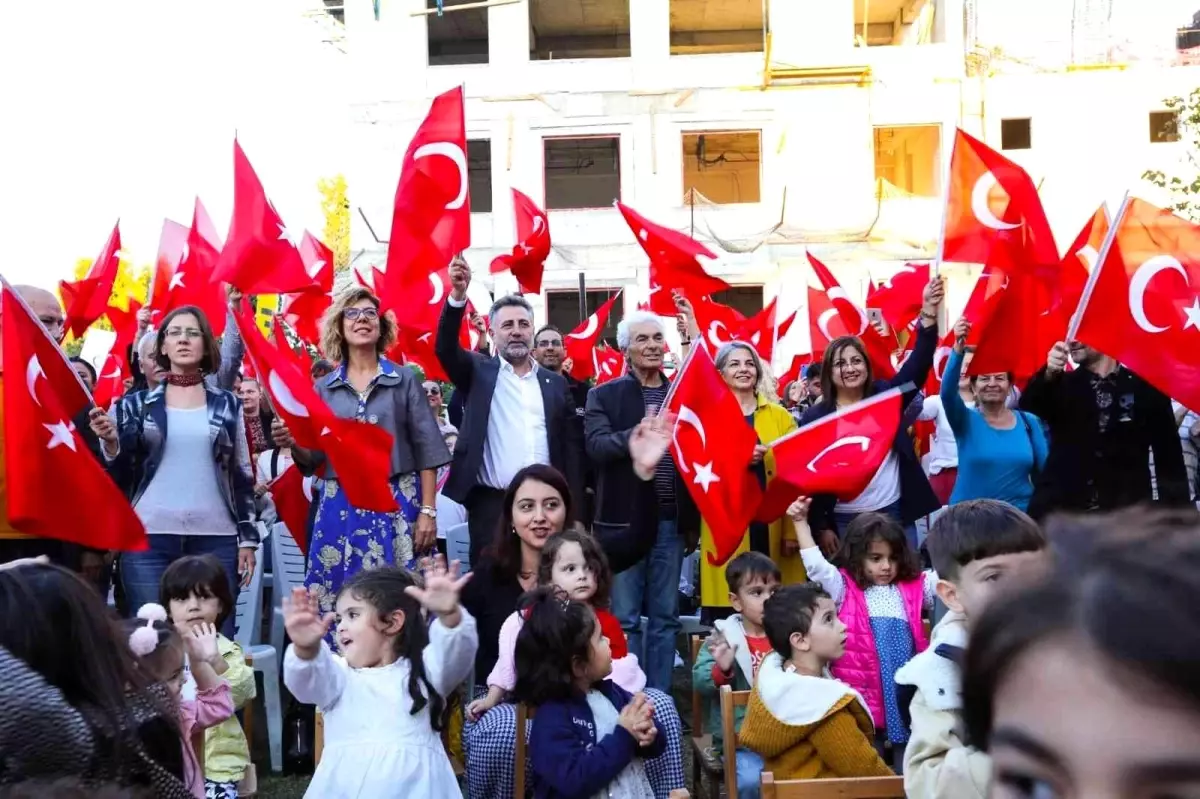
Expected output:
(489, 745)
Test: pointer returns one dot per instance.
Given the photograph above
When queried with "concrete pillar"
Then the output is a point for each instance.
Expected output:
(508, 34)
(811, 32)
(650, 31)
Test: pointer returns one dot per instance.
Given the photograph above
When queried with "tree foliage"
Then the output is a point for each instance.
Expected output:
(337, 219)
(1184, 190)
(132, 282)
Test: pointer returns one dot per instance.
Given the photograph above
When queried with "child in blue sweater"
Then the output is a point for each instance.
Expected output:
(589, 735)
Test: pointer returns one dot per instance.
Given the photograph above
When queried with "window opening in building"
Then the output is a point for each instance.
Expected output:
(457, 36)
(701, 27)
(887, 23)
(908, 158)
(560, 29)
(725, 166)
(582, 172)
(746, 300)
(1016, 134)
(479, 174)
(1164, 127)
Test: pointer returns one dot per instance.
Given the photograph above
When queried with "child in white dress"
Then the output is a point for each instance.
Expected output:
(382, 698)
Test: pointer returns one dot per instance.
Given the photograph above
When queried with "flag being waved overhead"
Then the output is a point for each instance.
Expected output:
(528, 258)
(712, 446)
(674, 263)
(1142, 303)
(45, 458)
(172, 247)
(854, 319)
(581, 341)
(86, 300)
(360, 453)
(193, 282)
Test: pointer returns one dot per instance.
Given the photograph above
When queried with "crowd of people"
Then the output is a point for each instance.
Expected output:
(877, 634)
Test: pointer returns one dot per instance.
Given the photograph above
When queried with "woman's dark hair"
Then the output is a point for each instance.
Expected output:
(556, 636)
(1125, 584)
(91, 369)
(866, 529)
(202, 575)
(383, 589)
(505, 550)
(210, 361)
(593, 556)
(832, 353)
(72, 788)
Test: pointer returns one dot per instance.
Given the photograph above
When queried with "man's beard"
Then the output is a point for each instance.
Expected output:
(515, 353)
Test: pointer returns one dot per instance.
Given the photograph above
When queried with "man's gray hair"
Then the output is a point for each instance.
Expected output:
(509, 301)
(636, 318)
(148, 337)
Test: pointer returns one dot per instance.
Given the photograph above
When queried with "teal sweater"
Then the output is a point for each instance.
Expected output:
(710, 692)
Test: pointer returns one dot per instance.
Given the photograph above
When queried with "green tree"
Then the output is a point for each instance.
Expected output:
(337, 219)
(1184, 189)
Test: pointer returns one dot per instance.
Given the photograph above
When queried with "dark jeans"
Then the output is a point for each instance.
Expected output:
(141, 572)
(485, 507)
(652, 585)
(62, 553)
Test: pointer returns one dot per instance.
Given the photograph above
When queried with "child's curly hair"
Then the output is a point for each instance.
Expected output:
(556, 636)
(866, 530)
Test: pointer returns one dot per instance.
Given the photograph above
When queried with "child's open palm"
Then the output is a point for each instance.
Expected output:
(443, 584)
(798, 510)
(721, 651)
(303, 620)
(201, 643)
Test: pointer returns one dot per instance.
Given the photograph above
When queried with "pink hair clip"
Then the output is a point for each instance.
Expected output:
(144, 640)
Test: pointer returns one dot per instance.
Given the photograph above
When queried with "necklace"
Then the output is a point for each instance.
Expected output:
(190, 379)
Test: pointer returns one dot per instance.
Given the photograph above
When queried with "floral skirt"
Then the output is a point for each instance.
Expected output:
(346, 539)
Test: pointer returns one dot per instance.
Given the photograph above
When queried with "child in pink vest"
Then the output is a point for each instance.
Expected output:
(880, 593)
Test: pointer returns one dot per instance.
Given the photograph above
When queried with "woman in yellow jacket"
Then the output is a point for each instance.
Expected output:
(746, 377)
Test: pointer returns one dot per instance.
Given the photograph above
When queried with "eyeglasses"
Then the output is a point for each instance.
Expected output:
(433, 391)
(184, 332)
(369, 314)
(550, 343)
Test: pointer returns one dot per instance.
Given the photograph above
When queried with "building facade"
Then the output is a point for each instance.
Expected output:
(762, 127)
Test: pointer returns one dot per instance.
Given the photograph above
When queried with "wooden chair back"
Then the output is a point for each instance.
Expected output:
(855, 788)
(697, 704)
(318, 738)
(525, 713)
(731, 699)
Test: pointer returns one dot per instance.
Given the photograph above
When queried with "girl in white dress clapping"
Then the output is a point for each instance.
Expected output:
(382, 698)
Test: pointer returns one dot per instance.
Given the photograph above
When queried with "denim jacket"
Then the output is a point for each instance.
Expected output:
(139, 454)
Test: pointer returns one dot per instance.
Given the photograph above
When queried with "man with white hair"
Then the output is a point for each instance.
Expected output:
(644, 526)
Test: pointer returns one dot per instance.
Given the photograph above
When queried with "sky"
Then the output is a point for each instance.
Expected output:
(128, 108)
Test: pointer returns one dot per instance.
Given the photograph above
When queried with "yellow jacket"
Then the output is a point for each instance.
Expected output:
(226, 753)
(771, 421)
(809, 728)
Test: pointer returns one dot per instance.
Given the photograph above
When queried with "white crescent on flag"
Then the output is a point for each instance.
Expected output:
(1141, 280)
(33, 370)
(284, 397)
(455, 154)
(845, 441)
(982, 209)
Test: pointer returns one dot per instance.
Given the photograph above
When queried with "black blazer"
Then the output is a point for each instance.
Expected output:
(627, 513)
(916, 497)
(1118, 463)
(475, 375)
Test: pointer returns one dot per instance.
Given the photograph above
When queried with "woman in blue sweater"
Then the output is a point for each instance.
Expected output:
(1000, 450)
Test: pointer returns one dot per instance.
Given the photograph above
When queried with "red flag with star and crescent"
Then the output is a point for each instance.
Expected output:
(712, 445)
(1142, 305)
(172, 247)
(45, 457)
(303, 310)
(608, 364)
(360, 453)
(261, 254)
(85, 300)
(674, 263)
(528, 258)
(837, 454)
(878, 350)
(581, 341)
(193, 282)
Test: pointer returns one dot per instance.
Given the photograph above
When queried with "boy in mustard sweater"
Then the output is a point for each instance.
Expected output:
(805, 724)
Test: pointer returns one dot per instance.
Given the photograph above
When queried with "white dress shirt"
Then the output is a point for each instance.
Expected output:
(516, 434)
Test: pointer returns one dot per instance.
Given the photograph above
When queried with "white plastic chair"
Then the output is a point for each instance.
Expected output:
(458, 545)
(263, 659)
(290, 566)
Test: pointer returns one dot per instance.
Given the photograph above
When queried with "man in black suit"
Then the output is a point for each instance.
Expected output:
(516, 414)
(550, 354)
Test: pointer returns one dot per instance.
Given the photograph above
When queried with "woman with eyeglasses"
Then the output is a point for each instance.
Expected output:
(368, 387)
(179, 452)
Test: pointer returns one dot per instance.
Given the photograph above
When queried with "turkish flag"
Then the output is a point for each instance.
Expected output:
(110, 382)
(991, 202)
(792, 374)
(879, 351)
(718, 323)
(360, 453)
(899, 298)
(581, 341)
(431, 215)
(528, 258)
(674, 263)
(125, 325)
(837, 454)
(292, 494)
(419, 349)
(261, 255)
(303, 310)
(193, 282)
(86, 299)
(607, 363)
(712, 445)
(46, 459)
(172, 247)
(1143, 307)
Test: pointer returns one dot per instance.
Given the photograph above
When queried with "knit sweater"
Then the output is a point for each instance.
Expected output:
(809, 728)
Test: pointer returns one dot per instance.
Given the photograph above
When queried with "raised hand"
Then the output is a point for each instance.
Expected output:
(962, 329)
(460, 278)
(201, 643)
(723, 653)
(935, 292)
(103, 425)
(443, 584)
(649, 442)
(280, 435)
(798, 510)
(304, 623)
(1056, 359)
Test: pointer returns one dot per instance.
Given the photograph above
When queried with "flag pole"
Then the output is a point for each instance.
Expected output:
(42, 328)
(1090, 286)
(941, 240)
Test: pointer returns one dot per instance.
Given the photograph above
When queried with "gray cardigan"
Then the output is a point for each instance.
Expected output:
(396, 402)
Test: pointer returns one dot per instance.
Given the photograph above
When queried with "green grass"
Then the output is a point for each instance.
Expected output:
(273, 786)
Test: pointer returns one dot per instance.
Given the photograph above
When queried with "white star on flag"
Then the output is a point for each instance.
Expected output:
(176, 281)
(705, 476)
(1193, 315)
(61, 433)
(526, 248)
(288, 236)
(315, 268)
